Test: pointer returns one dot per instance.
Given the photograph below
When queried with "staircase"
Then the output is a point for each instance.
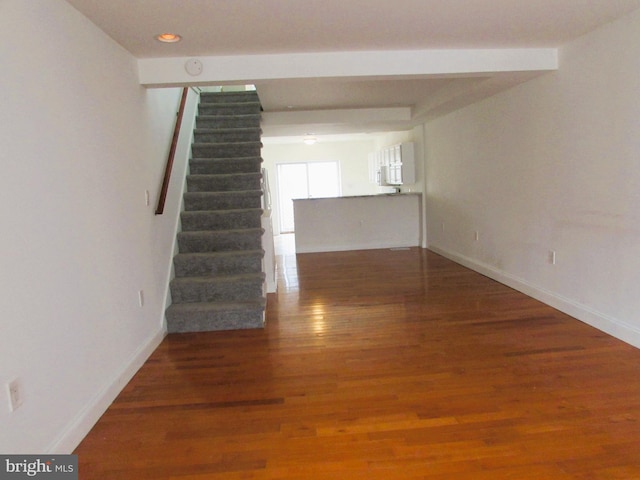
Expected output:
(219, 283)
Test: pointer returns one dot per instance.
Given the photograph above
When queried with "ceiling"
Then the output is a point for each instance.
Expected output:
(261, 27)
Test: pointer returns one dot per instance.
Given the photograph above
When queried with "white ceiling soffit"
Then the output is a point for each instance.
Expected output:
(336, 66)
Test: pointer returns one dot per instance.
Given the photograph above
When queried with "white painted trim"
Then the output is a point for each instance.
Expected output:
(606, 323)
(356, 246)
(84, 421)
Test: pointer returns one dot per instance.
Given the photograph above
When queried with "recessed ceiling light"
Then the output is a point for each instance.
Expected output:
(169, 37)
(309, 139)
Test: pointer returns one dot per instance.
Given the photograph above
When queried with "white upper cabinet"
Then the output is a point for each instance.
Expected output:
(393, 165)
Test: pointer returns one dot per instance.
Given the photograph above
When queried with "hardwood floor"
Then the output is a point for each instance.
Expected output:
(381, 364)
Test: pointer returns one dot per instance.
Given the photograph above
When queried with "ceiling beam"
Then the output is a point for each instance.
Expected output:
(323, 122)
(221, 70)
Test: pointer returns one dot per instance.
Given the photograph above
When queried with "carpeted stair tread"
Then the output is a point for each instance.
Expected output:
(235, 253)
(198, 317)
(218, 288)
(198, 131)
(218, 263)
(218, 160)
(235, 288)
(224, 182)
(226, 176)
(224, 121)
(225, 149)
(229, 97)
(220, 212)
(227, 135)
(229, 231)
(230, 144)
(223, 108)
(217, 200)
(228, 120)
(220, 306)
(234, 193)
(222, 233)
(204, 166)
(220, 240)
(236, 106)
(249, 132)
(226, 211)
(221, 279)
(221, 219)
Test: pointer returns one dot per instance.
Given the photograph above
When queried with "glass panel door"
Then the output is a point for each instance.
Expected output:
(304, 180)
(323, 179)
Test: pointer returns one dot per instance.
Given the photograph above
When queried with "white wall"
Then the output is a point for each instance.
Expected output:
(551, 165)
(81, 142)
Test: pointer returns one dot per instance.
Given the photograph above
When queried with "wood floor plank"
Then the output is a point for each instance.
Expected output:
(380, 364)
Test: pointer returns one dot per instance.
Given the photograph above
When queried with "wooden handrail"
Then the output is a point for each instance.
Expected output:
(172, 154)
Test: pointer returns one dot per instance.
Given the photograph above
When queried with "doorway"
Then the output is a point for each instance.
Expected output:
(304, 180)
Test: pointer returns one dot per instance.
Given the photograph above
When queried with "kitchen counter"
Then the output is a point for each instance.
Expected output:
(362, 222)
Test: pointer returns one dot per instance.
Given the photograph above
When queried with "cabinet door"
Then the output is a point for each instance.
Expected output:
(396, 155)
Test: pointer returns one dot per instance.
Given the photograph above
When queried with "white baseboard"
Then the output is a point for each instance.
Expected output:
(356, 246)
(80, 426)
(606, 323)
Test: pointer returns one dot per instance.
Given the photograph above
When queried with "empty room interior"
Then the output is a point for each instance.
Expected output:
(285, 239)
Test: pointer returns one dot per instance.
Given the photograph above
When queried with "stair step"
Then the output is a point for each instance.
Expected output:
(229, 97)
(226, 149)
(228, 108)
(220, 241)
(213, 135)
(228, 121)
(221, 219)
(222, 200)
(211, 166)
(200, 317)
(224, 182)
(228, 288)
(218, 263)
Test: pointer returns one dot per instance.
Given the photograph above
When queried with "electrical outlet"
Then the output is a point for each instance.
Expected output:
(15, 394)
(146, 198)
(141, 298)
(552, 257)
(442, 226)
(476, 235)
